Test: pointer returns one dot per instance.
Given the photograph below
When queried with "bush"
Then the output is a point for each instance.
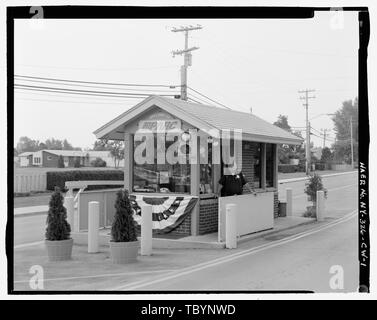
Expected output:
(310, 212)
(61, 162)
(320, 166)
(287, 168)
(58, 178)
(123, 228)
(57, 226)
(98, 162)
(313, 185)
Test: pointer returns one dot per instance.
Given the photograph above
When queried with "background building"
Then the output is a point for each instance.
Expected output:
(49, 158)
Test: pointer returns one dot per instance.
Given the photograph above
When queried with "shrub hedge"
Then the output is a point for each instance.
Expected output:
(58, 178)
(288, 168)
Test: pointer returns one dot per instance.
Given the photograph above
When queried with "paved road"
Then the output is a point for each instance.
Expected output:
(31, 229)
(291, 264)
(342, 193)
(280, 261)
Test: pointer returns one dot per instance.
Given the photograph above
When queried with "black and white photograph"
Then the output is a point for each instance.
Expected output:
(199, 151)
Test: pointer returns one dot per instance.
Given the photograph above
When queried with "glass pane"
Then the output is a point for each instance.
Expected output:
(206, 174)
(257, 153)
(165, 178)
(270, 165)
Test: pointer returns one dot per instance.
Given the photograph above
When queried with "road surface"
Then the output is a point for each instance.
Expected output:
(311, 262)
(304, 258)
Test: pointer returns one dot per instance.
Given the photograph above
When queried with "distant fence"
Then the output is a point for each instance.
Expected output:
(341, 167)
(29, 182)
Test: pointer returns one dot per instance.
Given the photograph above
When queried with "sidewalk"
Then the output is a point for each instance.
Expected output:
(207, 241)
(23, 211)
(95, 271)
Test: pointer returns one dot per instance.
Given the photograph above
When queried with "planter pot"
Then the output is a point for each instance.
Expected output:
(124, 252)
(59, 250)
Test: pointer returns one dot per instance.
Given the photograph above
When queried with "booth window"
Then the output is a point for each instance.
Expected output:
(257, 180)
(206, 174)
(164, 178)
(270, 162)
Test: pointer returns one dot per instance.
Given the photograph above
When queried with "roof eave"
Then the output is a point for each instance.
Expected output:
(272, 139)
(106, 130)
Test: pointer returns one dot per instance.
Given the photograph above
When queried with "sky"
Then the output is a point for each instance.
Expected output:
(245, 64)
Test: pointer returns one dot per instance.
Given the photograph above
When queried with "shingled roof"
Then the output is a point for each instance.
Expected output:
(204, 117)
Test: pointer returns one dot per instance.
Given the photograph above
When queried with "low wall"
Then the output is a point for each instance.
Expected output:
(106, 199)
(29, 182)
(208, 216)
(254, 213)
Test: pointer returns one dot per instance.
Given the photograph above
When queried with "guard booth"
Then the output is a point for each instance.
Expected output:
(175, 154)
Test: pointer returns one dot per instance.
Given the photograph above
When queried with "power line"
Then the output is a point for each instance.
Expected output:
(198, 98)
(209, 98)
(83, 91)
(89, 86)
(104, 83)
(63, 94)
(191, 99)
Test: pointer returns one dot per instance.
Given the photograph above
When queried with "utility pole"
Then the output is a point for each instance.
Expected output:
(352, 164)
(187, 57)
(306, 97)
(324, 137)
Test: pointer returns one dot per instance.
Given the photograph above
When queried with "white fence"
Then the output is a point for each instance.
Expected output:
(30, 182)
(253, 213)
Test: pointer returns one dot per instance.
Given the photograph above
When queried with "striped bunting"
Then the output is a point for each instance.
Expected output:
(167, 212)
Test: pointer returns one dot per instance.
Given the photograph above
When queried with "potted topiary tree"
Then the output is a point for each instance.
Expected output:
(313, 185)
(124, 245)
(58, 241)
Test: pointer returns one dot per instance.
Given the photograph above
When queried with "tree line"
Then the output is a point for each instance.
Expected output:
(340, 150)
(26, 144)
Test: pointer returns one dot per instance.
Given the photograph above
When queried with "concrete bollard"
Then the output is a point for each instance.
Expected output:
(93, 226)
(231, 226)
(289, 202)
(68, 204)
(146, 230)
(320, 205)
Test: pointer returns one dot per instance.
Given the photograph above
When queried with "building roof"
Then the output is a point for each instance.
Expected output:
(70, 153)
(25, 154)
(67, 153)
(204, 117)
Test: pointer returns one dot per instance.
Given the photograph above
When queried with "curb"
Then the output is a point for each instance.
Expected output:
(273, 231)
(322, 176)
(30, 211)
(30, 214)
